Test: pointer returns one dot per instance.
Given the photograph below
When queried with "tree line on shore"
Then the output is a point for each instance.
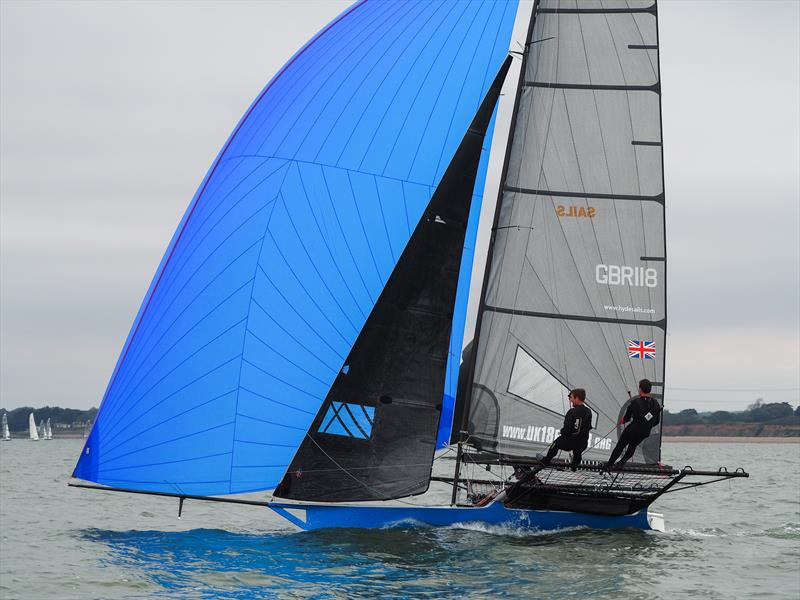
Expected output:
(758, 412)
(71, 418)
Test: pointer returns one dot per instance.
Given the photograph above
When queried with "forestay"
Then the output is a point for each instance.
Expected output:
(575, 289)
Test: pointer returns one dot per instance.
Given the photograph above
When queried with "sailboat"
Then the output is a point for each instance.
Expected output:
(304, 330)
(48, 431)
(6, 433)
(32, 430)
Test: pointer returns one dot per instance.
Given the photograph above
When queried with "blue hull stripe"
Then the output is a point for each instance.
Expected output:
(378, 517)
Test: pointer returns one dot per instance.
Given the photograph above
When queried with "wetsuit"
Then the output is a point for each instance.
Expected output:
(574, 435)
(644, 413)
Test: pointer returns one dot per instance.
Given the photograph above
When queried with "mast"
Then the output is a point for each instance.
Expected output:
(481, 303)
(664, 218)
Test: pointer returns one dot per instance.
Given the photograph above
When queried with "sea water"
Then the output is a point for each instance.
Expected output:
(737, 539)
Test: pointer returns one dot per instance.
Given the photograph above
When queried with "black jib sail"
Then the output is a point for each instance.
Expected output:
(374, 436)
(575, 286)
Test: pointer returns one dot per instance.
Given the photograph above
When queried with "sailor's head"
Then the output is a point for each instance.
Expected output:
(645, 386)
(577, 396)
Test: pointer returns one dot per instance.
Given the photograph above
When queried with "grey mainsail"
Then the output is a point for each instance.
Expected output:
(575, 287)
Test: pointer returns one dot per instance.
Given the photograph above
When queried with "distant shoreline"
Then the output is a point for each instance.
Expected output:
(720, 439)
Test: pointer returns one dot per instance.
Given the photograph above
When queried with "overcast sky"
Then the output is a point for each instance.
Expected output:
(112, 112)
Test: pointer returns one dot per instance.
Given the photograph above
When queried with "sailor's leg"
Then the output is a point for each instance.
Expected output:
(621, 443)
(632, 445)
(576, 457)
(558, 444)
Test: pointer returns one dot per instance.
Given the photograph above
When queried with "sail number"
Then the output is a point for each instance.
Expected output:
(624, 275)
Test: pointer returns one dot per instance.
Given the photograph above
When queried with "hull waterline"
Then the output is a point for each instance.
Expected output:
(311, 517)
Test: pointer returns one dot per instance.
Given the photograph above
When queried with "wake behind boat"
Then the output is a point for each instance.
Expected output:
(303, 333)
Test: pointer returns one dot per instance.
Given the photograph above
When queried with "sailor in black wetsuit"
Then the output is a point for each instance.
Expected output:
(575, 433)
(644, 413)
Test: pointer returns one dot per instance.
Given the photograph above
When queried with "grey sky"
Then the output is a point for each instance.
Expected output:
(111, 113)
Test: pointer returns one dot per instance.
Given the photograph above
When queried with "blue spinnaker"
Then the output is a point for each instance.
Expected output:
(287, 245)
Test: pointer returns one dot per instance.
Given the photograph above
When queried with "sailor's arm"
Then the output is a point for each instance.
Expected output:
(628, 413)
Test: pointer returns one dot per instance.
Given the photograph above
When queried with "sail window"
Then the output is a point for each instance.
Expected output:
(349, 420)
(533, 383)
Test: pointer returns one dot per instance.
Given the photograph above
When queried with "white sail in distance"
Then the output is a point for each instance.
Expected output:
(34, 433)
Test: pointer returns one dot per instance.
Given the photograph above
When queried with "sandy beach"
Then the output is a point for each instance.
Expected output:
(726, 439)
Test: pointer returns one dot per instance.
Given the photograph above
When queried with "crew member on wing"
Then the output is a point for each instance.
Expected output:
(575, 433)
(644, 413)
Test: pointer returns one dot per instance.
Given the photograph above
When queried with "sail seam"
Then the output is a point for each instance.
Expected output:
(117, 432)
(344, 237)
(252, 418)
(244, 334)
(189, 242)
(294, 338)
(283, 381)
(140, 361)
(300, 316)
(461, 89)
(414, 101)
(356, 45)
(439, 94)
(169, 441)
(166, 462)
(399, 87)
(298, 409)
(309, 373)
(336, 39)
(388, 45)
(325, 240)
(314, 264)
(372, 40)
(400, 84)
(163, 421)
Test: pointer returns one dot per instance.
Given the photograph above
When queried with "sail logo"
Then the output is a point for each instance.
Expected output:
(546, 435)
(584, 212)
(529, 433)
(625, 275)
(598, 443)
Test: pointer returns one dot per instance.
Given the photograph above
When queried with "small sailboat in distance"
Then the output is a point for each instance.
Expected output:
(303, 333)
(6, 432)
(32, 430)
(48, 431)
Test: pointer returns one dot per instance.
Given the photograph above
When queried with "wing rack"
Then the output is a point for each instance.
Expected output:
(591, 488)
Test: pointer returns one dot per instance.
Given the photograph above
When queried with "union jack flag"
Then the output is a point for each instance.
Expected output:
(641, 349)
